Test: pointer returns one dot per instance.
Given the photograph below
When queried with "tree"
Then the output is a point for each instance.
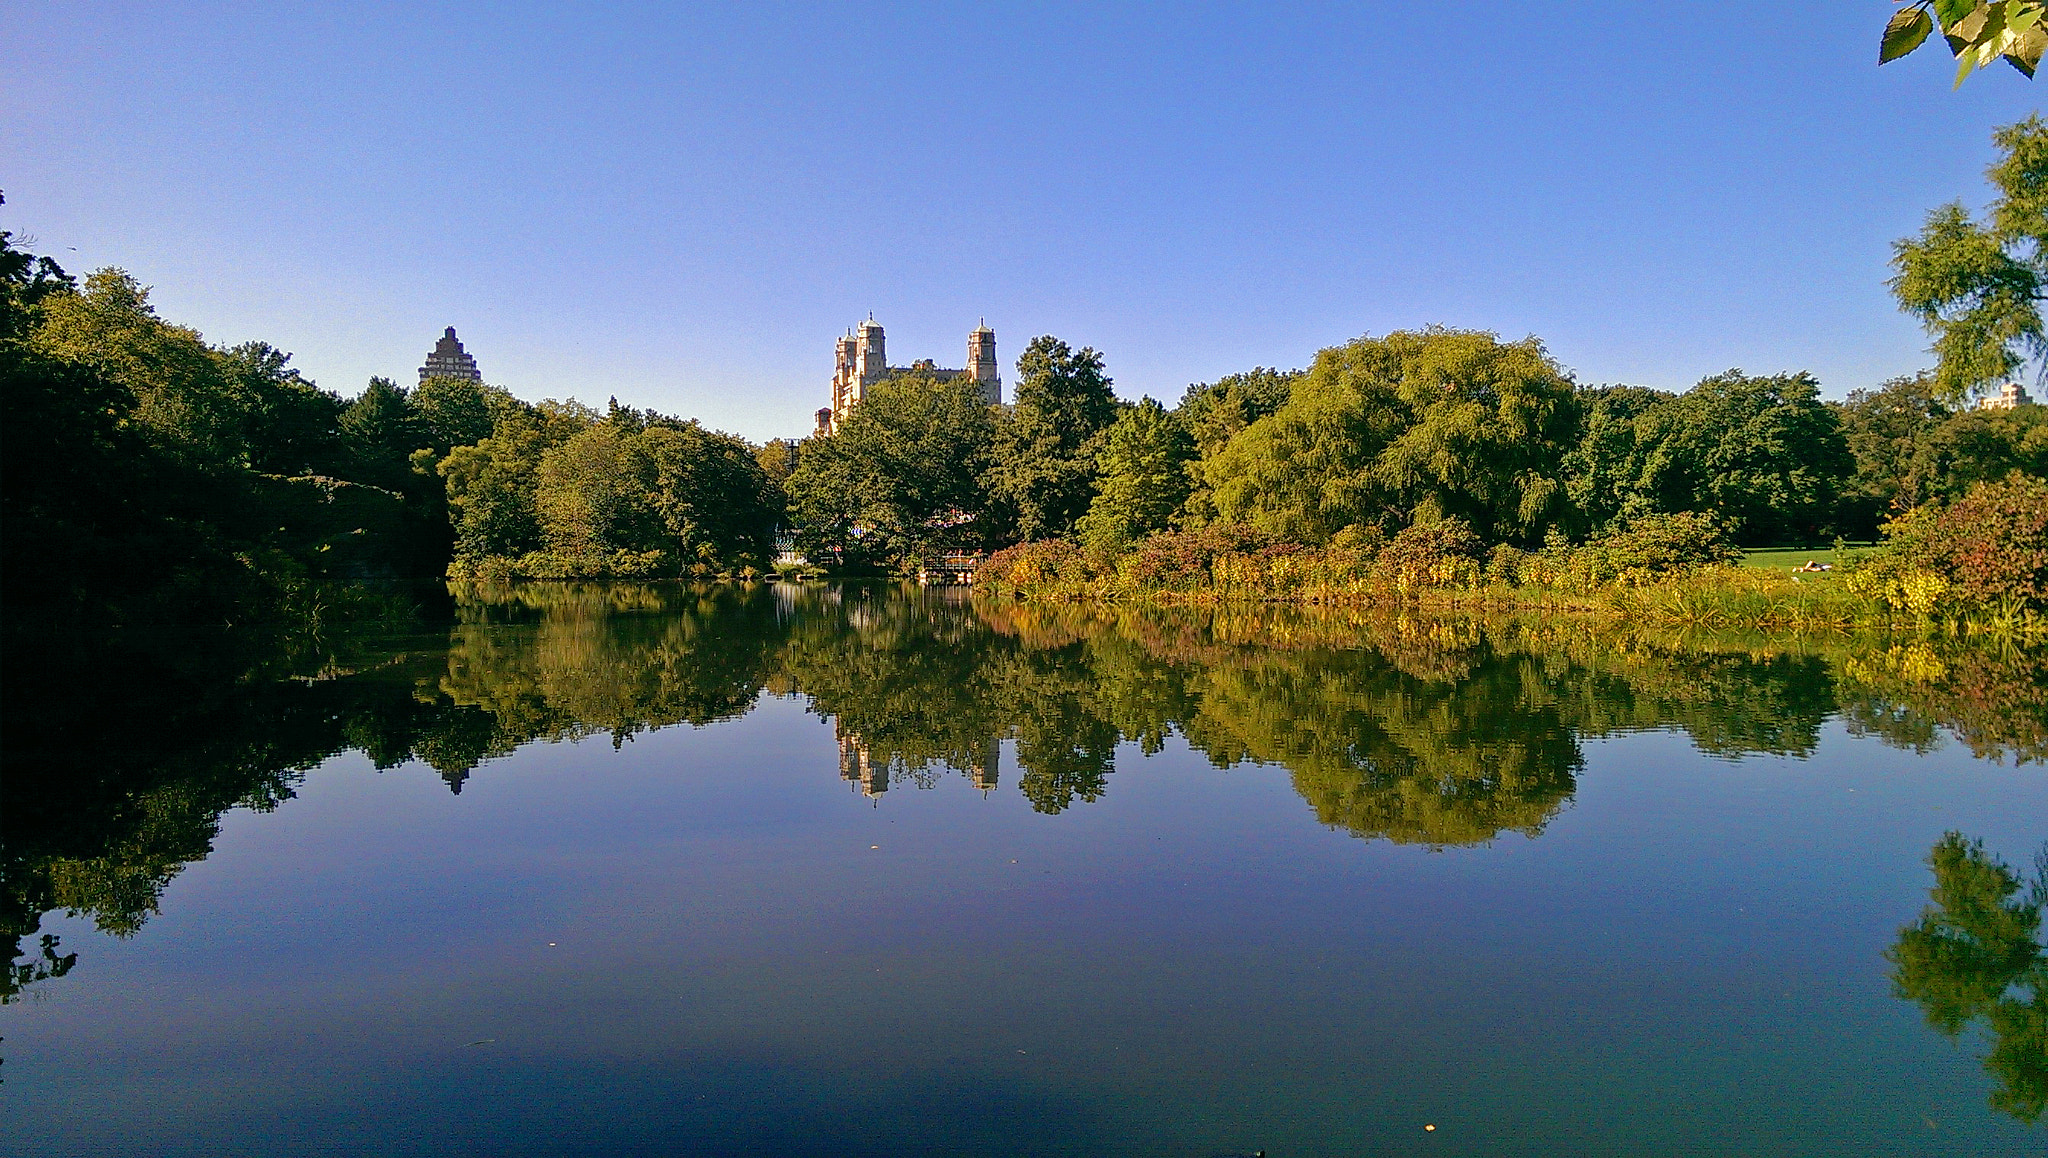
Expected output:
(1043, 472)
(900, 479)
(290, 425)
(716, 504)
(1764, 453)
(1975, 286)
(380, 431)
(1885, 430)
(1143, 480)
(1413, 427)
(452, 412)
(491, 483)
(1604, 472)
(183, 401)
(1213, 412)
(1978, 32)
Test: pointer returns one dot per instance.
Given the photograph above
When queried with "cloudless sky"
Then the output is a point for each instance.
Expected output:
(684, 205)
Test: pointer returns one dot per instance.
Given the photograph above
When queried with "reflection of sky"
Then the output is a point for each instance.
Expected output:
(1691, 952)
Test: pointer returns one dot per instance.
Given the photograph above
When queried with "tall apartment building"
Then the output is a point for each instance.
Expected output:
(449, 360)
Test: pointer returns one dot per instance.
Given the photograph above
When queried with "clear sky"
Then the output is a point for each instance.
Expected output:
(684, 205)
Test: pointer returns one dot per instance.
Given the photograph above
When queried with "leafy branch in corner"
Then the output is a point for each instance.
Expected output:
(1978, 32)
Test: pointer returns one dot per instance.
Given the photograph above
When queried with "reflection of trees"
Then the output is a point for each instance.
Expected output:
(562, 661)
(1437, 730)
(123, 753)
(1995, 700)
(1976, 955)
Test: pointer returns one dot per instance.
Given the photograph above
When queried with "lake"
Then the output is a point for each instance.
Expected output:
(862, 869)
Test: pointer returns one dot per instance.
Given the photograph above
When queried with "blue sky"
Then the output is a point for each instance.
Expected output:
(684, 205)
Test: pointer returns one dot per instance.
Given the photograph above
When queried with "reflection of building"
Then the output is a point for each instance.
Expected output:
(861, 359)
(986, 770)
(450, 360)
(2010, 396)
(859, 766)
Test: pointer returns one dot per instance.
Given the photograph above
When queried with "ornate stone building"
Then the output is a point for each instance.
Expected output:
(861, 359)
(450, 360)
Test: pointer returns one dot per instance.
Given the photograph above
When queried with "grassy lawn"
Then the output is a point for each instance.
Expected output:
(1797, 556)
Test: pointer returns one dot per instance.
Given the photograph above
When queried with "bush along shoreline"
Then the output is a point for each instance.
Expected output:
(1976, 567)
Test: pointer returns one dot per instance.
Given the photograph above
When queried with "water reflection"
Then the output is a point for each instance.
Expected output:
(124, 754)
(1975, 957)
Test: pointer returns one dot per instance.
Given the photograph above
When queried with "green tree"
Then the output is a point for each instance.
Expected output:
(1143, 480)
(380, 431)
(1213, 412)
(595, 496)
(1604, 472)
(491, 484)
(183, 401)
(1763, 453)
(900, 479)
(1977, 286)
(1979, 446)
(452, 412)
(1043, 471)
(1413, 427)
(717, 506)
(1885, 430)
(1978, 32)
(290, 425)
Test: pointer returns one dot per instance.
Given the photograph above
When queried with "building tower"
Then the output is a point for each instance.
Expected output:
(982, 365)
(870, 354)
(449, 360)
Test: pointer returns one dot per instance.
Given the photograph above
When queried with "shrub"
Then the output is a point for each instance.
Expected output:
(1440, 554)
(1186, 560)
(1650, 547)
(1988, 548)
(1032, 565)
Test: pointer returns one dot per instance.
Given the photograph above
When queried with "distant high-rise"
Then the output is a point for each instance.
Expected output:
(450, 360)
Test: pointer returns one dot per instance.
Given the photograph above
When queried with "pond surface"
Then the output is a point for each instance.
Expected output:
(859, 870)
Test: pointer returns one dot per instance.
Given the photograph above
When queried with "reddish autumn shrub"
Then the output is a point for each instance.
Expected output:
(1991, 544)
(1185, 560)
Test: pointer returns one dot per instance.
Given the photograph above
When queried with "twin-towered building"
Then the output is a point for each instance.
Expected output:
(861, 359)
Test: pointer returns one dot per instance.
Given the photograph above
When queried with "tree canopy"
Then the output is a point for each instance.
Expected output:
(1977, 285)
(1415, 426)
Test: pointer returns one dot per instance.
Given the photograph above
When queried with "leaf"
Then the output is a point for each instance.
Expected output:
(1907, 31)
(1950, 11)
(1964, 33)
(2025, 55)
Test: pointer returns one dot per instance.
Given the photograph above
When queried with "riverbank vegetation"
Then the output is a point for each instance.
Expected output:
(151, 475)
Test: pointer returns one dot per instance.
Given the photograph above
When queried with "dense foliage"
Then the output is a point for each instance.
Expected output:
(208, 478)
(151, 476)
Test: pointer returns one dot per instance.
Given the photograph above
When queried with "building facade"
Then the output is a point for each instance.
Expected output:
(861, 359)
(2010, 396)
(449, 360)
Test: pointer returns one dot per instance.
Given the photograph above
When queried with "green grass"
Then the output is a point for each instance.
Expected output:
(1788, 557)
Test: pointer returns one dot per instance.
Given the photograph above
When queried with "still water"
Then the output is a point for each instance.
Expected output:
(860, 870)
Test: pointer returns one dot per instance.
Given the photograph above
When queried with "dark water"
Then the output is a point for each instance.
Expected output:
(858, 871)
